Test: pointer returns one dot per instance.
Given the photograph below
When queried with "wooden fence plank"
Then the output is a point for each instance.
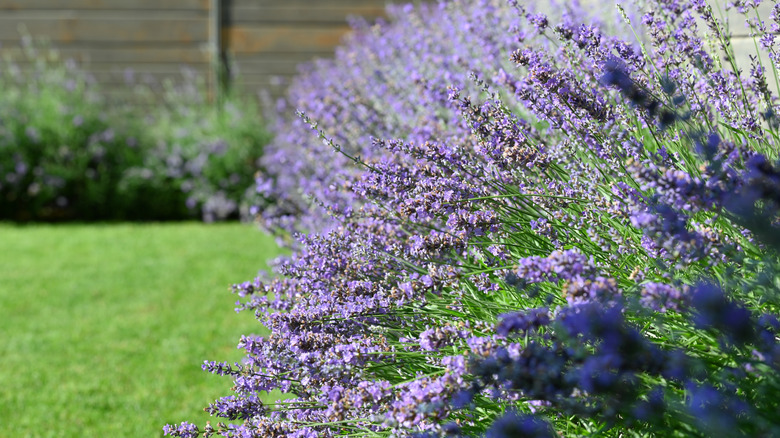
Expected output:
(257, 82)
(183, 54)
(102, 14)
(266, 40)
(107, 30)
(278, 64)
(126, 73)
(319, 13)
(307, 3)
(283, 56)
(104, 4)
(269, 66)
(167, 68)
(276, 38)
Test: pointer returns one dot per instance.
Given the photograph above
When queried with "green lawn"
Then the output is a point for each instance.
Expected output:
(104, 327)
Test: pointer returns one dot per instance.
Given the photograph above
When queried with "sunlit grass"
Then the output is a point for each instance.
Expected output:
(104, 327)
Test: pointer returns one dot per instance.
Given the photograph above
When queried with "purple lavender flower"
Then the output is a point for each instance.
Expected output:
(716, 411)
(522, 321)
(663, 297)
(715, 311)
(513, 424)
(184, 430)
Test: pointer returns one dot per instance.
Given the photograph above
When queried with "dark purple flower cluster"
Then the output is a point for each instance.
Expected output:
(523, 321)
(589, 364)
(513, 424)
(736, 323)
(755, 201)
(494, 209)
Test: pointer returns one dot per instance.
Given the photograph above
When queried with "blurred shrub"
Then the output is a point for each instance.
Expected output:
(69, 153)
(203, 153)
(61, 155)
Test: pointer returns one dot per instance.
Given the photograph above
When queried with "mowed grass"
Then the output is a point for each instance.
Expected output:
(104, 327)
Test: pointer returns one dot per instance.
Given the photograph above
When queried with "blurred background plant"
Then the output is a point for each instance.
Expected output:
(67, 152)
(204, 153)
(61, 155)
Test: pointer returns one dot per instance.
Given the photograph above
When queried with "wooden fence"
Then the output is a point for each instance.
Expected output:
(151, 40)
(268, 39)
(113, 38)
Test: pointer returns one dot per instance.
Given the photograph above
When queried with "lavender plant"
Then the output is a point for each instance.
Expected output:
(201, 153)
(68, 152)
(506, 223)
(60, 156)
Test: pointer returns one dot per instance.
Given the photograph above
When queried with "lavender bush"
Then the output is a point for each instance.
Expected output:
(68, 152)
(512, 224)
(201, 152)
(60, 156)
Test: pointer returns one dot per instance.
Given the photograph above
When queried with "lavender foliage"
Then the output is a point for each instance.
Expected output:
(504, 222)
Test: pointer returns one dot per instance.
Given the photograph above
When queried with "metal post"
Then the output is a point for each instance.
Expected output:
(215, 51)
